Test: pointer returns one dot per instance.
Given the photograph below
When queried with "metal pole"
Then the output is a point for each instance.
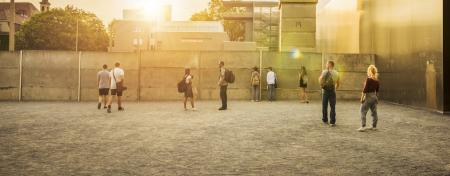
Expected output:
(79, 76)
(12, 25)
(20, 74)
(139, 75)
(260, 72)
(76, 37)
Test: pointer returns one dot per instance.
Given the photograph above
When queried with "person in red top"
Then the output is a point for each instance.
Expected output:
(369, 98)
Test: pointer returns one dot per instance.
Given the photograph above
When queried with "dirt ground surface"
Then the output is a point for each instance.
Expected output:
(160, 138)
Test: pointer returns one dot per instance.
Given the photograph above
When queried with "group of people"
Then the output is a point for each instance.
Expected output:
(329, 80)
(272, 84)
(110, 81)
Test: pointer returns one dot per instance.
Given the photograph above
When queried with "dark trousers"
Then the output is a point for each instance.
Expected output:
(223, 96)
(271, 92)
(329, 97)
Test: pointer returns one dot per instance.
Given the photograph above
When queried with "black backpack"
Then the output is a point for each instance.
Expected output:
(182, 86)
(229, 76)
(327, 82)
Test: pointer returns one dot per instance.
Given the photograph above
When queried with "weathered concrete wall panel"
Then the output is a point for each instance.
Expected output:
(9, 71)
(50, 75)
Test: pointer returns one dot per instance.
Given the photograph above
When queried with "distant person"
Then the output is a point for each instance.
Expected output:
(117, 76)
(223, 84)
(369, 98)
(255, 81)
(188, 93)
(329, 81)
(303, 84)
(103, 82)
(271, 84)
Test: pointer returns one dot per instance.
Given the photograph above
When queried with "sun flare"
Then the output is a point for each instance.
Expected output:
(151, 9)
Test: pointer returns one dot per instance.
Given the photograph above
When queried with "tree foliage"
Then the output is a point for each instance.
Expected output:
(56, 30)
(214, 12)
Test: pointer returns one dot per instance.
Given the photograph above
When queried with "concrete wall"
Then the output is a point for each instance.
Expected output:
(151, 76)
(298, 25)
(9, 74)
(339, 27)
(50, 75)
(405, 35)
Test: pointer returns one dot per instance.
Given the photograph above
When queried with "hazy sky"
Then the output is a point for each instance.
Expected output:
(110, 9)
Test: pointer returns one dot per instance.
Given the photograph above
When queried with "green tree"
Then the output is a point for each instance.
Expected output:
(56, 30)
(214, 12)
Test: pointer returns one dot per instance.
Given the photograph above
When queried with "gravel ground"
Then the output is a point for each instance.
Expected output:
(159, 138)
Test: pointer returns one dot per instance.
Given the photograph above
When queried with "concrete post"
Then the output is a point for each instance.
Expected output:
(79, 76)
(139, 75)
(260, 72)
(20, 74)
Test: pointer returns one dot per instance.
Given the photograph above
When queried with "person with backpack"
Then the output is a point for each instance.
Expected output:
(329, 81)
(103, 82)
(303, 84)
(369, 98)
(271, 84)
(223, 84)
(188, 93)
(255, 81)
(117, 76)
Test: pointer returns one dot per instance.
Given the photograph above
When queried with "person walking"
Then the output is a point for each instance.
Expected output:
(255, 81)
(303, 84)
(271, 84)
(103, 82)
(223, 84)
(117, 76)
(329, 81)
(369, 98)
(188, 93)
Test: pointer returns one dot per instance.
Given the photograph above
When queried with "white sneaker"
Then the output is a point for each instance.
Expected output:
(362, 129)
(372, 128)
(194, 109)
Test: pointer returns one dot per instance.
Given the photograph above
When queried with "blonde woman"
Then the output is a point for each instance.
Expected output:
(369, 98)
(303, 84)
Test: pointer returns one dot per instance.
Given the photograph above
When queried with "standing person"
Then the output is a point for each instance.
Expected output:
(303, 84)
(223, 86)
(103, 82)
(255, 81)
(271, 81)
(369, 98)
(329, 81)
(188, 93)
(117, 76)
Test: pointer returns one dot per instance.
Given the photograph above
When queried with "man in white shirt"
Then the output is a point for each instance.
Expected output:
(117, 78)
(271, 81)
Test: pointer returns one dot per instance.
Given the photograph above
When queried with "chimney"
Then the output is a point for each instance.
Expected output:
(45, 6)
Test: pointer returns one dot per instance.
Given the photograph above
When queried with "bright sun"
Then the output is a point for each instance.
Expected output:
(151, 8)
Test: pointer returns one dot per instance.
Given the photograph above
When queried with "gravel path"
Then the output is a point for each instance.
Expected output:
(159, 138)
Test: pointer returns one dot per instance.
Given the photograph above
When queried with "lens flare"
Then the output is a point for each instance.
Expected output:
(296, 53)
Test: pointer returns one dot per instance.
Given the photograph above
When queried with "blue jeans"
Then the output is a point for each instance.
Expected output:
(271, 92)
(329, 97)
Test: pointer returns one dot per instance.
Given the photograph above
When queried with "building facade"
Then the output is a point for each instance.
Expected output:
(261, 19)
(24, 10)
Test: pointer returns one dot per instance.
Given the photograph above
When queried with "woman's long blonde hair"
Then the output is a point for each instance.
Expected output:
(372, 72)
